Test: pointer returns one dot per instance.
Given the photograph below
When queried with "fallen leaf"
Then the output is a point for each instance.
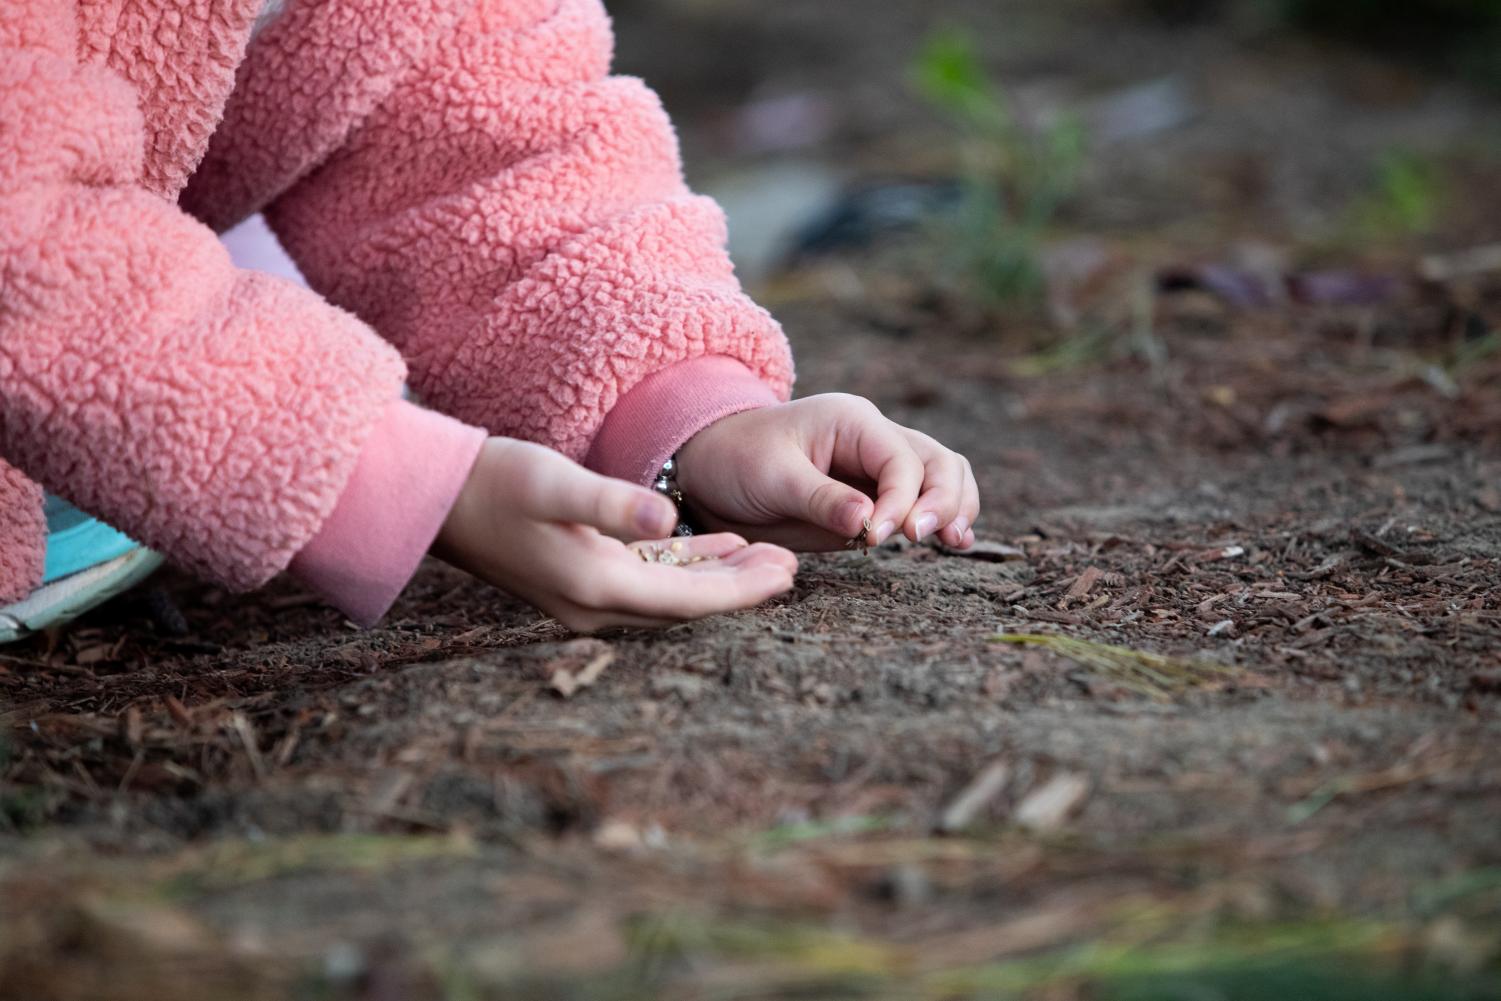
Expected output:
(1258, 288)
(1240, 287)
(1355, 411)
(987, 552)
(1342, 288)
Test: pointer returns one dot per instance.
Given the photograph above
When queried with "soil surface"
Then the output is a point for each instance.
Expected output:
(1212, 712)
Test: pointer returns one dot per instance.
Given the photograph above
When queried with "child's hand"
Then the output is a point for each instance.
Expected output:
(539, 526)
(802, 474)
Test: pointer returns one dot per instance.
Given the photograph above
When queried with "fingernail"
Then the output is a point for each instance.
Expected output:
(926, 522)
(961, 525)
(884, 529)
(651, 519)
(847, 517)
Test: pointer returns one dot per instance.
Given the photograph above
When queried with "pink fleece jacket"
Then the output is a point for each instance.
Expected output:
(460, 177)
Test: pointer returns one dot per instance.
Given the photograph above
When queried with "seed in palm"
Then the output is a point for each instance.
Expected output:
(674, 555)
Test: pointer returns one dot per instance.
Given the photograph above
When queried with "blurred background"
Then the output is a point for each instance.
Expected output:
(1019, 150)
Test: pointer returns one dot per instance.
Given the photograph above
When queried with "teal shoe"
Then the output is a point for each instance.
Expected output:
(87, 563)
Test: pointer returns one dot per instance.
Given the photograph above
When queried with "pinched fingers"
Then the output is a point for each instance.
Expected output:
(921, 486)
(960, 533)
(942, 490)
(950, 499)
(882, 453)
(825, 504)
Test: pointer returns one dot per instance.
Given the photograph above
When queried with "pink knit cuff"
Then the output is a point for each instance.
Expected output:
(406, 480)
(650, 422)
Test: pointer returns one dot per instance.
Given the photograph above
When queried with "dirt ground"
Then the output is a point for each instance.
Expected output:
(1239, 740)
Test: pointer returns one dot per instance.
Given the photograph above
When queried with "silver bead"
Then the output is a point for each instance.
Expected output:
(669, 467)
(662, 485)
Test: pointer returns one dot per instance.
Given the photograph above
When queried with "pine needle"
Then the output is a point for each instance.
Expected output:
(1151, 674)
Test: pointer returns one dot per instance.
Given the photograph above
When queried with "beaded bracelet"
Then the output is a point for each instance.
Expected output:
(666, 484)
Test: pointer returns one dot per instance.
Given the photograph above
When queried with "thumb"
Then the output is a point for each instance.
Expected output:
(823, 501)
(562, 490)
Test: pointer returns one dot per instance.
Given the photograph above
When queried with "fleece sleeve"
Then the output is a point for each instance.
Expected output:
(508, 214)
(407, 479)
(212, 413)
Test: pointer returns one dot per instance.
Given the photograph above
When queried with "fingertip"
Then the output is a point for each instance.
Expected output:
(719, 545)
(923, 526)
(655, 516)
(737, 556)
(787, 560)
(762, 554)
(849, 517)
(776, 567)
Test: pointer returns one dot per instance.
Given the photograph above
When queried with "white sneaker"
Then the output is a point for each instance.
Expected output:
(88, 563)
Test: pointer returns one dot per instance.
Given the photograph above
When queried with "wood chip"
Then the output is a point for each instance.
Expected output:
(1085, 582)
(579, 664)
(1413, 455)
(246, 733)
(178, 711)
(1355, 411)
(1220, 553)
(1373, 545)
(287, 602)
(131, 727)
(1048, 806)
(1324, 569)
(1486, 681)
(974, 797)
(94, 654)
(390, 785)
(1461, 264)
(619, 836)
